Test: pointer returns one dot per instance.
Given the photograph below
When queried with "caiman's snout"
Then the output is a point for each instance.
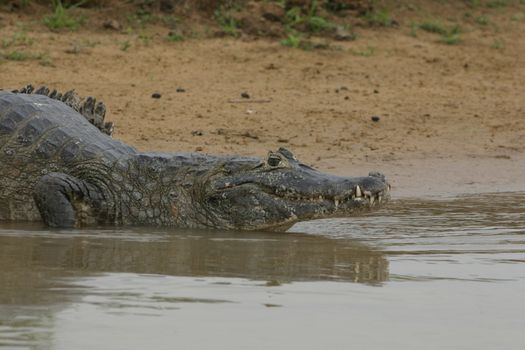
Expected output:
(374, 189)
(377, 175)
(363, 192)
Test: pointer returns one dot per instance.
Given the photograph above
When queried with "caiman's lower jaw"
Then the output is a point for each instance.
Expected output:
(319, 206)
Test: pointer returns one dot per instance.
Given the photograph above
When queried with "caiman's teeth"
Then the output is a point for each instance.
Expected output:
(320, 197)
(372, 199)
(336, 202)
(379, 199)
(367, 194)
(358, 191)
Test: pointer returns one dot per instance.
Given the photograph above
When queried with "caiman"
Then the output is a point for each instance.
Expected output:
(59, 165)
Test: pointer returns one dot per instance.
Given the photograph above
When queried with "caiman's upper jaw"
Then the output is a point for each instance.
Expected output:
(343, 193)
(357, 196)
(366, 192)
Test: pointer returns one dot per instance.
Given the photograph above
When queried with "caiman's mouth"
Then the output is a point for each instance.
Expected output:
(357, 196)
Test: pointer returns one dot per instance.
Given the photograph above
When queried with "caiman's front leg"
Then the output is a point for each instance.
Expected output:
(66, 201)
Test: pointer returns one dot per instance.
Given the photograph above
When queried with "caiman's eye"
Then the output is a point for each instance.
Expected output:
(274, 160)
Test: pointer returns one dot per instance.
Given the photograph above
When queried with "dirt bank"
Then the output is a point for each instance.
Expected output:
(445, 111)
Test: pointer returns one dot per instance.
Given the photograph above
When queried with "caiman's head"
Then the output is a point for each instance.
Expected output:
(274, 193)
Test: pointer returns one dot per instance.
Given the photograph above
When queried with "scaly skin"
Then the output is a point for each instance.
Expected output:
(57, 167)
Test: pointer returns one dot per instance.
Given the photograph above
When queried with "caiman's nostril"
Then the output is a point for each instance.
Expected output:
(377, 174)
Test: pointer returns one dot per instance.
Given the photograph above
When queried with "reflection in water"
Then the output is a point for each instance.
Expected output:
(33, 266)
(262, 256)
(60, 289)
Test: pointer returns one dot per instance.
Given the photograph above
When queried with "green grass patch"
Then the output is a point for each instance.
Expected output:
(46, 61)
(482, 20)
(294, 16)
(228, 24)
(296, 40)
(433, 27)
(336, 6)
(379, 18)
(61, 18)
(293, 40)
(494, 4)
(145, 39)
(16, 55)
(17, 39)
(449, 34)
(125, 45)
(307, 21)
(451, 39)
(314, 22)
(318, 24)
(90, 43)
(498, 44)
(170, 21)
(175, 37)
(366, 52)
(141, 18)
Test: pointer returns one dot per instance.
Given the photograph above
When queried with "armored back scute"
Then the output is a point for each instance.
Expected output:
(40, 135)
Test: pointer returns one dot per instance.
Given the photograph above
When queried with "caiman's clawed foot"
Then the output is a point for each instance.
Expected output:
(65, 201)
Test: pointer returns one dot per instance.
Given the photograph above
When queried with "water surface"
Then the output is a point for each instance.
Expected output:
(417, 275)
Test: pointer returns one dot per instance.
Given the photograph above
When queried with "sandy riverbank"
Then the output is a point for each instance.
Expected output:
(452, 117)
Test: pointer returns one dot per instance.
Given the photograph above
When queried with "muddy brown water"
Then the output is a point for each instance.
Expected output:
(434, 274)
